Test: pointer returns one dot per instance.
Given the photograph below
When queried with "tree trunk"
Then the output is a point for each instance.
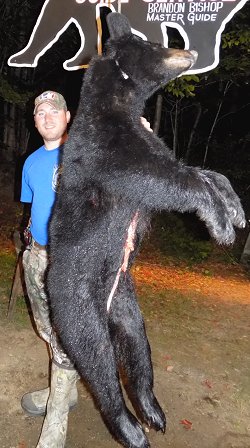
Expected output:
(228, 84)
(9, 137)
(245, 256)
(193, 131)
(176, 121)
(158, 111)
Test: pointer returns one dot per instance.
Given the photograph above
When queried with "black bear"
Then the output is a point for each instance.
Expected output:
(115, 174)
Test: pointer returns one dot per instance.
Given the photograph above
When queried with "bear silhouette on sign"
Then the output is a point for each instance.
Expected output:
(199, 23)
(54, 18)
(115, 174)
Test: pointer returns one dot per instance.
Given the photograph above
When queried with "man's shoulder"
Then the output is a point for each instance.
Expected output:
(33, 157)
(35, 154)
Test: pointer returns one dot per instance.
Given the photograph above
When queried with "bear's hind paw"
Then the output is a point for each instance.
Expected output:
(152, 413)
(129, 432)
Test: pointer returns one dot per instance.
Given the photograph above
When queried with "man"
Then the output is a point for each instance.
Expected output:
(40, 178)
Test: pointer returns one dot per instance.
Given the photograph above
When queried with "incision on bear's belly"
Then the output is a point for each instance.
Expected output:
(128, 247)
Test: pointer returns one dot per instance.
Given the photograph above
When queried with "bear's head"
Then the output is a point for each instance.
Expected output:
(147, 64)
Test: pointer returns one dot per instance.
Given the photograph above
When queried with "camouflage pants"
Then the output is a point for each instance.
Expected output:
(35, 262)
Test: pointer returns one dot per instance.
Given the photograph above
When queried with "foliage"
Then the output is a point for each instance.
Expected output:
(183, 86)
(237, 33)
(235, 61)
(182, 239)
(7, 264)
(12, 95)
(7, 269)
(171, 239)
(235, 38)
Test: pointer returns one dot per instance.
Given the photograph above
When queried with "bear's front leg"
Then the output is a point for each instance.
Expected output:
(133, 354)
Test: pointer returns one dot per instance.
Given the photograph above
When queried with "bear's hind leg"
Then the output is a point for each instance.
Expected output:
(85, 336)
(133, 354)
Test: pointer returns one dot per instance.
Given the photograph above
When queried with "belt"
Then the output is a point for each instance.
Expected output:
(39, 246)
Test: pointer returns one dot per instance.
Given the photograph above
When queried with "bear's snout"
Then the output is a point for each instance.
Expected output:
(180, 59)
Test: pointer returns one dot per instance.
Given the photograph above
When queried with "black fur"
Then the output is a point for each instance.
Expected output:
(114, 167)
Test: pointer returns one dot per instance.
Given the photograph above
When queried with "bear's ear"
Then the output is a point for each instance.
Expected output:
(118, 25)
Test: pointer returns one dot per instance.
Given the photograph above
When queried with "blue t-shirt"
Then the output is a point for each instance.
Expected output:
(39, 186)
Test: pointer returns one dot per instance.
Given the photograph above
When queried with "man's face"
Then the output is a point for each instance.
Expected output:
(50, 122)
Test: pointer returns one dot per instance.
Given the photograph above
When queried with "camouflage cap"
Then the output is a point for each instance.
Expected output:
(55, 99)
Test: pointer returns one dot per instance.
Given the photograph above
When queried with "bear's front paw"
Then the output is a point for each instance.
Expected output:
(219, 224)
(224, 235)
(238, 217)
(223, 188)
